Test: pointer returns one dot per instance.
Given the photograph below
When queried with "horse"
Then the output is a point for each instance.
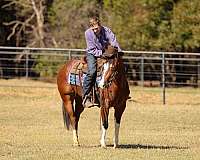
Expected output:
(114, 93)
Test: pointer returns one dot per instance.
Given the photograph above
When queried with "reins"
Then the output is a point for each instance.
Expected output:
(113, 75)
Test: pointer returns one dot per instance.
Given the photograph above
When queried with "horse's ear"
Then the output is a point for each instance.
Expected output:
(120, 54)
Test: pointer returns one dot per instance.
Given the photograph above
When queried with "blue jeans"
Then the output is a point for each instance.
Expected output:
(90, 78)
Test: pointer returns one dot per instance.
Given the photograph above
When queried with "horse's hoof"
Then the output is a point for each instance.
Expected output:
(76, 144)
(103, 146)
(115, 146)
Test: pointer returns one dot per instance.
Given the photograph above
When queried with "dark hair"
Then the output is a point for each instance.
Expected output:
(94, 18)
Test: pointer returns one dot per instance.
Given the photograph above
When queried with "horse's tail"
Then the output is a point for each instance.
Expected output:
(66, 119)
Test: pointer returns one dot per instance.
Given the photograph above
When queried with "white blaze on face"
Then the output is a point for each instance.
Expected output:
(105, 69)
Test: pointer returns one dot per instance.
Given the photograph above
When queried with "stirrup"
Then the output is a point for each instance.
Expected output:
(88, 104)
(84, 99)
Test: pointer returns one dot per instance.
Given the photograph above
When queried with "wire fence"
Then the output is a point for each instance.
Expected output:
(153, 69)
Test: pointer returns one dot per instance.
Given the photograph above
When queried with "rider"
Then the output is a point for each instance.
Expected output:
(97, 37)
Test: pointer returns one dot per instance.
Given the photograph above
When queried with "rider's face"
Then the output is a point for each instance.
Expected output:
(96, 29)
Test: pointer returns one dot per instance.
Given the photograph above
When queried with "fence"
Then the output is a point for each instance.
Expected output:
(159, 69)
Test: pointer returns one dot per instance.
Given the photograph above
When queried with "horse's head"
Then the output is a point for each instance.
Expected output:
(109, 49)
(114, 65)
(111, 52)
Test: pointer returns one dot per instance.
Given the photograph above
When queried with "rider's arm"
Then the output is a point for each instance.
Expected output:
(112, 39)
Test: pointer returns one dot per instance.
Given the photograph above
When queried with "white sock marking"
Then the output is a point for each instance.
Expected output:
(116, 136)
(103, 136)
(75, 137)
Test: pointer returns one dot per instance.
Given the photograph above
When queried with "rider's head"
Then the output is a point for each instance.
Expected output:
(95, 24)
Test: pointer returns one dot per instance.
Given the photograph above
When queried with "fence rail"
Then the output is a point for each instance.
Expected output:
(161, 69)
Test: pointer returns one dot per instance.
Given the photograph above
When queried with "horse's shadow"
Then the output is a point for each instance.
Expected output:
(141, 146)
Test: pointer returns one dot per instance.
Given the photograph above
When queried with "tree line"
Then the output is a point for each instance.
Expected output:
(170, 25)
(147, 25)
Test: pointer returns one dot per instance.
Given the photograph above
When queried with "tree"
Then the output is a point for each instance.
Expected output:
(29, 25)
(186, 26)
(170, 25)
(69, 19)
(6, 15)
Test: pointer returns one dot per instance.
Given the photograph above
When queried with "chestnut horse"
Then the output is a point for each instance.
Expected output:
(114, 94)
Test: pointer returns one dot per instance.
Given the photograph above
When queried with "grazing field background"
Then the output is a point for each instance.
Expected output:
(31, 125)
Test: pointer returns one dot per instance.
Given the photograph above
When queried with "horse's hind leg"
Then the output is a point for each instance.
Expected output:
(68, 104)
(78, 110)
(118, 114)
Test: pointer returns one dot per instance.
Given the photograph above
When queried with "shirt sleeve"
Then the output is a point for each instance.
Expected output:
(91, 47)
(113, 40)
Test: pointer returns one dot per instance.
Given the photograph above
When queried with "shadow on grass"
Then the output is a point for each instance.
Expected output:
(140, 146)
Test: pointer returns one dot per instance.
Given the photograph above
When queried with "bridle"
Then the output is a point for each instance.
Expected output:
(109, 81)
(114, 73)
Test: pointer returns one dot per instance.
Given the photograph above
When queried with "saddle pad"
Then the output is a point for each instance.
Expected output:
(82, 66)
(74, 79)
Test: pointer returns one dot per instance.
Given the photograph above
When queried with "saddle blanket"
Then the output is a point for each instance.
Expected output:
(74, 79)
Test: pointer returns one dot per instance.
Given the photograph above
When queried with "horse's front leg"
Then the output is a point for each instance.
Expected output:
(75, 137)
(118, 114)
(104, 125)
(116, 134)
(103, 135)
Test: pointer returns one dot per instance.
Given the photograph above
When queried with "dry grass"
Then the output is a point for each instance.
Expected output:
(31, 126)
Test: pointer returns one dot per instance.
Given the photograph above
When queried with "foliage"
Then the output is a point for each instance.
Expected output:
(186, 25)
(6, 15)
(170, 25)
(47, 66)
(29, 24)
(68, 30)
(157, 25)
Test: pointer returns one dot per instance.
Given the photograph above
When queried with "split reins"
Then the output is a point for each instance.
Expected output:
(114, 73)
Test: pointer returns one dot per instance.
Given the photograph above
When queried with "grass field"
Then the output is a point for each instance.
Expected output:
(31, 126)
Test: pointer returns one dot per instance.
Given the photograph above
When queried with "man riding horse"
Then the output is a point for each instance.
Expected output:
(97, 38)
(112, 89)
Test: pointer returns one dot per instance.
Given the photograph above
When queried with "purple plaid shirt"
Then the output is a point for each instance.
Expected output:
(96, 44)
